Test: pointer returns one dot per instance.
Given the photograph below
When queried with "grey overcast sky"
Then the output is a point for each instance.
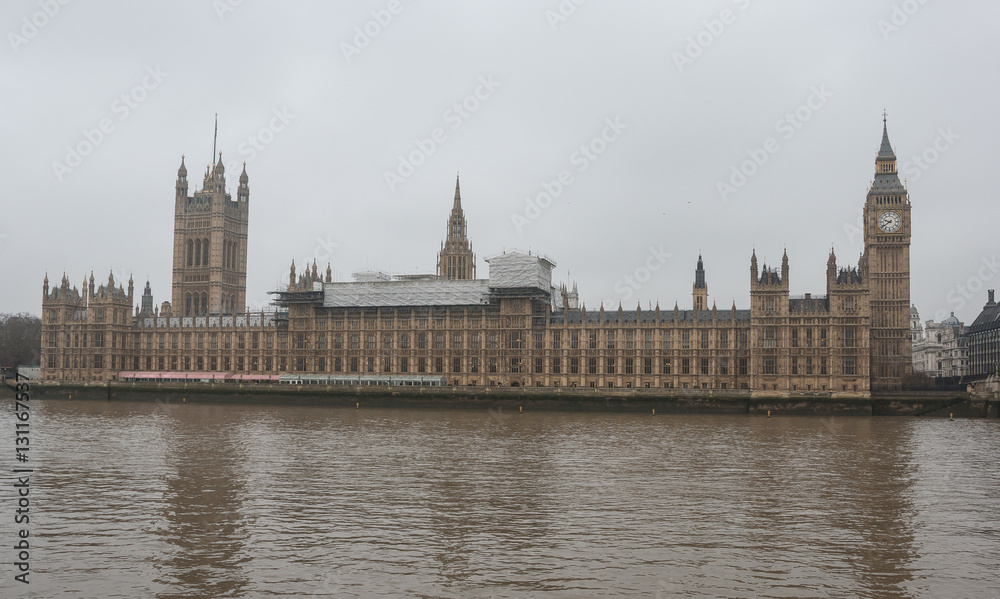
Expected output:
(353, 118)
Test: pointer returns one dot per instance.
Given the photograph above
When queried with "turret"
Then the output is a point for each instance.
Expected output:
(784, 266)
(182, 182)
(291, 275)
(243, 192)
(699, 293)
(130, 289)
(147, 301)
(45, 287)
(831, 270)
(754, 276)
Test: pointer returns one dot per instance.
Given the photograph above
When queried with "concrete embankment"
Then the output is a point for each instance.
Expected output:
(931, 404)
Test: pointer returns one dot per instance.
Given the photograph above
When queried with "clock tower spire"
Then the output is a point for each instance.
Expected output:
(887, 256)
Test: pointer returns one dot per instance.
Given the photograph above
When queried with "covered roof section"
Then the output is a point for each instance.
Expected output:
(519, 270)
(407, 292)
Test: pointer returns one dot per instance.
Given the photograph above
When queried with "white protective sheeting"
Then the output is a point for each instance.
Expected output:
(515, 270)
(440, 292)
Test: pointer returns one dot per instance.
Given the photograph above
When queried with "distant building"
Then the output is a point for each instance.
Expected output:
(939, 349)
(515, 328)
(984, 341)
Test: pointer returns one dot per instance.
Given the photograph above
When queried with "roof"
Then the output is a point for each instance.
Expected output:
(649, 316)
(810, 304)
(885, 150)
(434, 292)
(989, 318)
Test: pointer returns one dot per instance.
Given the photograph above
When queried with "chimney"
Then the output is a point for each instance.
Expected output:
(992, 302)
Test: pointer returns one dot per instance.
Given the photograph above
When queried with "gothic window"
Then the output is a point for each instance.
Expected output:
(770, 335)
(769, 365)
(850, 338)
(190, 253)
(197, 252)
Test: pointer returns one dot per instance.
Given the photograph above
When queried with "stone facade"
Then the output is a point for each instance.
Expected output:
(515, 328)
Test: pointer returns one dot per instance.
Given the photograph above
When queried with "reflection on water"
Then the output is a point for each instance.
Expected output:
(167, 500)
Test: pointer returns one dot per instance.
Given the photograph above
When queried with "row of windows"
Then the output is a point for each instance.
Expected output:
(809, 366)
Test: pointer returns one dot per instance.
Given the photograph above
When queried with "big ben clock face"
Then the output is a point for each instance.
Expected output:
(889, 221)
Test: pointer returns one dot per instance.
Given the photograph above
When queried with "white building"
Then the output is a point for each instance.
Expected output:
(939, 349)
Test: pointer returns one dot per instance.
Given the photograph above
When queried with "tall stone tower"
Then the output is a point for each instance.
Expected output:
(699, 292)
(887, 262)
(210, 245)
(456, 260)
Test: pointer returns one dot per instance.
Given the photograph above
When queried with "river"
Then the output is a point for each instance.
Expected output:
(170, 500)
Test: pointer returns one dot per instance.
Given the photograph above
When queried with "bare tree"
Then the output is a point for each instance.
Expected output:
(20, 339)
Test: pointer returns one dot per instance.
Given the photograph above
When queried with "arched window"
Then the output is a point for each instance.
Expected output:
(196, 310)
(204, 302)
(197, 252)
(190, 253)
(225, 254)
(187, 304)
(205, 246)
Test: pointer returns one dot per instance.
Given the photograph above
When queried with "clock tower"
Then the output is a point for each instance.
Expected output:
(887, 262)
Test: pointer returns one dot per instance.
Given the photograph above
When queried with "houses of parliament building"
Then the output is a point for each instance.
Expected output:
(514, 328)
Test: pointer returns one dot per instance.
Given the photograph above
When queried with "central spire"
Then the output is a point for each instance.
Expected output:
(456, 259)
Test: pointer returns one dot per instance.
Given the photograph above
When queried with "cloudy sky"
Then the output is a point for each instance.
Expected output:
(353, 119)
